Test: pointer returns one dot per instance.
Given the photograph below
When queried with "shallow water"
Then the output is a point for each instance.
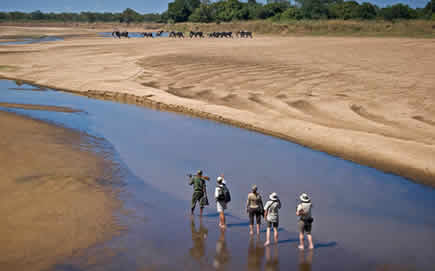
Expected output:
(32, 40)
(364, 219)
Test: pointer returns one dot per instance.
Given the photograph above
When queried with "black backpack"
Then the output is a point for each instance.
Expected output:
(224, 194)
(227, 194)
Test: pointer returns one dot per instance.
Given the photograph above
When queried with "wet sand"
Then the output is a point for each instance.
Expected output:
(54, 200)
(369, 100)
(40, 107)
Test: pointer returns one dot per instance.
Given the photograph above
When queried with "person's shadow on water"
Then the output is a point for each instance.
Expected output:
(305, 263)
(255, 253)
(222, 256)
(199, 236)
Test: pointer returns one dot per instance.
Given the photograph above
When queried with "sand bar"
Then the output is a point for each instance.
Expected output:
(51, 202)
(369, 100)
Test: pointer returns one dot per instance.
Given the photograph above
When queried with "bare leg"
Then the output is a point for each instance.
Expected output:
(225, 222)
(310, 241)
(275, 234)
(267, 237)
(251, 229)
(222, 220)
(200, 211)
(258, 229)
(301, 241)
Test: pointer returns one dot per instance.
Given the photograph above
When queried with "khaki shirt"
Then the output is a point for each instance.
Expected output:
(254, 201)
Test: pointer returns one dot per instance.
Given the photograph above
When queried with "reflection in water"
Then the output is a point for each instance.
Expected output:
(272, 261)
(222, 256)
(198, 240)
(305, 262)
(255, 254)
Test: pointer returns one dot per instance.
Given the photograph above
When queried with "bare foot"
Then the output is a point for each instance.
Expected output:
(266, 244)
(311, 247)
(251, 232)
(301, 247)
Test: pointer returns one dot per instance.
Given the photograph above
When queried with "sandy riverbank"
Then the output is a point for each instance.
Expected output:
(369, 100)
(52, 202)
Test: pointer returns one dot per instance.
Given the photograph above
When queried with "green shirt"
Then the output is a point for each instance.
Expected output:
(198, 183)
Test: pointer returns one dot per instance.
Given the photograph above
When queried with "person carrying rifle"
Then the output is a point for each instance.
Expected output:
(199, 191)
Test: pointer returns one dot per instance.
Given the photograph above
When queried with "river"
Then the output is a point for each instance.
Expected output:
(364, 219)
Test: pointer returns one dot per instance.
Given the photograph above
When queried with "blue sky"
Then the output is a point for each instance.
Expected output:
(142, 6)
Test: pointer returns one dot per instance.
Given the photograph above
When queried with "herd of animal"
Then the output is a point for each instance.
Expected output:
(192, 34)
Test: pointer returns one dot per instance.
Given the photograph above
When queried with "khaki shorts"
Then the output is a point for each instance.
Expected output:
(273, 224)
(304, 227)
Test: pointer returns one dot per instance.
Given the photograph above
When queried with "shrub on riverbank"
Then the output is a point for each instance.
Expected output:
(402, 28)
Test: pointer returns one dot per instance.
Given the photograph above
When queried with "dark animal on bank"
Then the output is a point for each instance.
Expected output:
(227, 34)
(148, 34)
(244, 34)
(196, 34)
(116, 34)
(159, 34)
(119, 34)
(220, 35)
(173, 34)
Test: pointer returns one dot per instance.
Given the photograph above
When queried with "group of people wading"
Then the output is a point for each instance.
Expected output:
(254, 207)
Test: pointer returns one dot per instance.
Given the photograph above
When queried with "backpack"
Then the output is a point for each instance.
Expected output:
(224, 194)
(227, 194)
(221, 194)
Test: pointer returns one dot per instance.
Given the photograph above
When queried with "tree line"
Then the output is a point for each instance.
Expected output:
(127, 16)
(233, 10)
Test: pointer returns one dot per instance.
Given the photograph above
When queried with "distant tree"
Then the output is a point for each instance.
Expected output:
(314, 9)
(401, 11)
(18, 16)
(4, 16)
(204, 13)
(344, 10)
(274, 9)
(129, 15)
(228, 10)
(367, 11)
(292, 13)
(37, 15)
(178, 11)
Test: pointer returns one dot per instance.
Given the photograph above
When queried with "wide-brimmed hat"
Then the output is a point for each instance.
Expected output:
(273, 196)
(304, 197)
(254, 188)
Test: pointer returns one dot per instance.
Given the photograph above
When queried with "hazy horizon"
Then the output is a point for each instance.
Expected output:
(141, 6)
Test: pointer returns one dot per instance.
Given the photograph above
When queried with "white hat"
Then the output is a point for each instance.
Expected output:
(273, 196)
(220, 179)
(304, 197)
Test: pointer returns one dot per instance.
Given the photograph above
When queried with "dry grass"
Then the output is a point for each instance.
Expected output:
(7, 68)
(413, 28)
(378, 28)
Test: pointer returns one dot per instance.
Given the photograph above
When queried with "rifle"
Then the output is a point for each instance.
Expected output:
(206, 178)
